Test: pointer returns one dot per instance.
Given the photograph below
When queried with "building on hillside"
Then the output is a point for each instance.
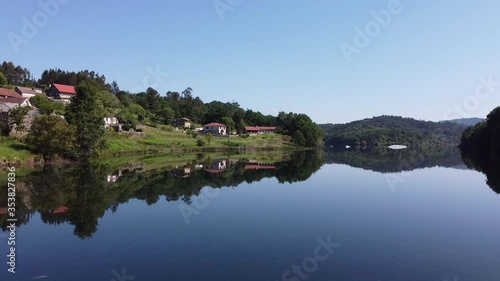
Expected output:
(8, 93)
(63, 93)
(259, 130)
(181, 123)
(217, 129)
(112, 122)
(27, 92)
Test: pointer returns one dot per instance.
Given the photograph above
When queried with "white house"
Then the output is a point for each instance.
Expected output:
(112, 122)
(215, 129)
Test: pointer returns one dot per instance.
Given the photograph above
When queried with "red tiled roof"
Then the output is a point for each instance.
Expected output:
(259, 167)
(66, 89)
(9, 93)
(214, 125)
(16, 100)
(214, 171)
(257, 128)
(60, 210)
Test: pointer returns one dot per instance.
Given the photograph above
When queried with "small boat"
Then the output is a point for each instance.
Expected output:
(347, 147)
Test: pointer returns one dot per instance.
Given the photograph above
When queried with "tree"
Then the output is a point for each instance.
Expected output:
(231, 126)
(87, 114)
(46, 106)
(167, 114)
(115, 89)
(50, 135)
(3, 80)
(16, 116)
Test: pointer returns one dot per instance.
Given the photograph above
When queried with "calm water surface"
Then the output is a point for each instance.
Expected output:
(312, 216)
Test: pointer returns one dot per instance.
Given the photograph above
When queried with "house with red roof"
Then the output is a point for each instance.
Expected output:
(217, 129)
(61, 92)
(259, 130)
(28, 92)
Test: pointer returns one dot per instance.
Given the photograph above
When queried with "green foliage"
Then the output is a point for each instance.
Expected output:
(483, 139)
(86, 114)
(200, 142)
(301, 128)
(167, 114)
(16, 116)
(209, 137)
(16, 75)
(3, 80)
(231, 125)
(387, 130)
(51, 135)
(46, 106)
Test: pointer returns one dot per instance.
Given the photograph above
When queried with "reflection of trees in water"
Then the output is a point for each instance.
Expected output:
(395, 161)
(486, 163)
(80, 195)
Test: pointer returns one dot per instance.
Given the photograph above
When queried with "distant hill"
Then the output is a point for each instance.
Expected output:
(467, 121)
(388, 130)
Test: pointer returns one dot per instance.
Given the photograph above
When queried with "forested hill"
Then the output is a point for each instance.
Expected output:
(388, 130)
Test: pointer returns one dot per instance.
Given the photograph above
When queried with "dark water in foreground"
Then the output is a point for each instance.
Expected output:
(405, 215)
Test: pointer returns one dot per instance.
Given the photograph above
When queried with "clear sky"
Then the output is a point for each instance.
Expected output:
(276, 55)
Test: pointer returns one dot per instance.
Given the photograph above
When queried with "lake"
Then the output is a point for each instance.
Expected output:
(316, 215)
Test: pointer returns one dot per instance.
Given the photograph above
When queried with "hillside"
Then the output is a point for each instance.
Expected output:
(388, 130)
(466, 121)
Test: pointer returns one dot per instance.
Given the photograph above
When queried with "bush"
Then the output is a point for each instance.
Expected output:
(245, 136)
(200, 142)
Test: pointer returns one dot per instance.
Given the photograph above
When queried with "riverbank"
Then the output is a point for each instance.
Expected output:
(154, 141)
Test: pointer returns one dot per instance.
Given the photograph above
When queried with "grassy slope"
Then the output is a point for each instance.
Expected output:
(156, 141)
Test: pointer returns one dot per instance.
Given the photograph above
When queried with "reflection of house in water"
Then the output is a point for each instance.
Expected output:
(112, 178)
(60, 210)
(183, 172)
(3, 211)
(217, 166)
(259, 166)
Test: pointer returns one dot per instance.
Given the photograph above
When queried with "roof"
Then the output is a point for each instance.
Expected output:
(259, 167)
(9, 93)
(212, 171)
(65, 88)
(18, 101)
(257, 128)
(214, 125)
(26, 90)
(60, 210)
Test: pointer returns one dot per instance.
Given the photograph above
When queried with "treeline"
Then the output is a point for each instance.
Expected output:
(483, 138)
(388, 130)
(151, 107)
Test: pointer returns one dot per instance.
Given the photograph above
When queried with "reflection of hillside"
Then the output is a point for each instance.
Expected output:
(80, 195)
(394, 161)
(488, 164)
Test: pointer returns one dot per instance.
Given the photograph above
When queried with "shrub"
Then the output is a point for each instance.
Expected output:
(200, 142)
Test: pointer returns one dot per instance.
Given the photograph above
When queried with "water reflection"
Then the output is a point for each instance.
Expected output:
(486, 163)
(395, 161)
(80, 195)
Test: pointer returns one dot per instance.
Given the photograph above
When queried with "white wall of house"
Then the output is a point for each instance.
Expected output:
(215, 130)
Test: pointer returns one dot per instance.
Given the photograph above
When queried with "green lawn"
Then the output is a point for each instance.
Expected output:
(14, 150)
(162, 141)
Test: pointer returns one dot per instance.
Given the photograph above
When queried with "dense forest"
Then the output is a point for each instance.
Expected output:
(87, 194)
(480, 148)
(151, 107)
(388, 130)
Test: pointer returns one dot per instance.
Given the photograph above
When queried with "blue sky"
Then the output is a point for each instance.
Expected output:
(425, 62)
